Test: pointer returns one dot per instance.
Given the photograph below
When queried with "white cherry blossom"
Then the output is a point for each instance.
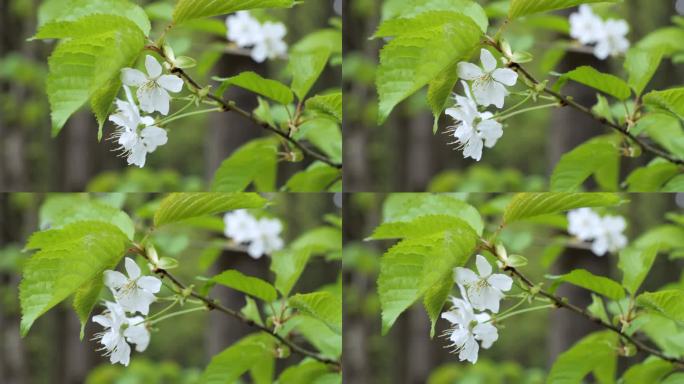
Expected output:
(584, 223)
(489, 81)
(585, 26)
(134, 293)
(240, 226)
(473, 129)
(153, 88)
(268, 238)
(137, 135)
(484, 290)
(613, 41)
(270, 43)
(243, 29)
(119, 331)
(609, 237)
(467, 329)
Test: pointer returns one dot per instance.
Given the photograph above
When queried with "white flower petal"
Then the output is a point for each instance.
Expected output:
(132, 268)
(469, 71)
(491, 131)
(473, 149)
(153, 137)
(485, 298)
(171, 83)
(121, 354)
(486, 333)
(103, 321)
(150, 284)
(154, 69)
(483, 266)
(137, 155)
(114, 279)
(161, 100)
(500, 281)
(133, 77)
(138, 334)
(469, 350)
(505, 76)
(488, 60)
(465, 276)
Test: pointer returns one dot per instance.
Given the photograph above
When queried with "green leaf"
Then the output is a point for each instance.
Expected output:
(70, 10)
(308, 371)
(422, 48)
(69, 258)
(323, 306)
(526, 7)
(320, 240)
(526, 205)
(252, 286)
(392, 9)
(652, 177)
(288, 264)
(676, 184)
(590, 157)
(635, 263)
(86, 297)
(193, 9)
(60, 210)
(573, 365)
(317, 178)
(597, 308)
(599, 284)
(439, 94)
(306, 66)
(641, 65)
(417, 227)
(88, 66)
(671, 100)
(323, 133)
(668, 40)
(667, 237)
(650, 371)
(590, 77)
(404, 207)
(272, 89)
(330, 105)
(180, 206)
(236, 360)
(255, 162)
(414, 266)
(668, 303)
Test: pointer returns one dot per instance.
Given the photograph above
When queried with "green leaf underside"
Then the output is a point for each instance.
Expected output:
(323, 306)
(87, 66)
(604, 82)
(69, 259)
(250, 285)
(413, 267)
(422, 48)
(330, 104)
(526, 205)
(526, 7)
(439, 93)
(86, 297)
(599, 284)
(573, 365)
(271, 89)
(180, 206)
(671, 100)
(668, 303)
(635, 263)
(193, 9)
(589, 158)
(255, 162)
(59, 210)
(236, 360)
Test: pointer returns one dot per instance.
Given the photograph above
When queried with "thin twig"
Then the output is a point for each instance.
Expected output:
(562, 302)
(566, 101)
(227, 106)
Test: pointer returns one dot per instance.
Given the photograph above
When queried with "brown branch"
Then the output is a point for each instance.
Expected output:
(562, 302)
(229, 106)
(567, 101)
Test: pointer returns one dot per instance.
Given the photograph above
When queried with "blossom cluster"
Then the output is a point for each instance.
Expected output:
(475, 129)
(133, 293)
(607, 36)
(480, 291)
(265, 41)
(262, 236)
(137, 135)
(605, 233)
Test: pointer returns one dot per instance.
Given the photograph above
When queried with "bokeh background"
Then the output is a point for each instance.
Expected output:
(404, 155)
(31, 160)
(52, 351)
(528, 343)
